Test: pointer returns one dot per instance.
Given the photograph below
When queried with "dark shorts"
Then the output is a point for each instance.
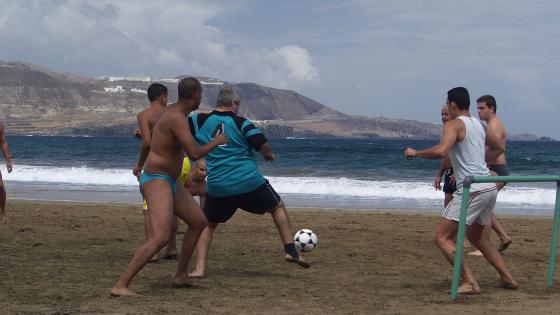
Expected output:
(261, 200)
(500, 169)
(447, 186)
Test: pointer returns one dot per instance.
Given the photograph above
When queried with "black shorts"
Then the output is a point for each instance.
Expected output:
(261, 200)
(447, 186)
(500, 169)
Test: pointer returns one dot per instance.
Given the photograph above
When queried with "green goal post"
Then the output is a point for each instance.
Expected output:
(467, 182)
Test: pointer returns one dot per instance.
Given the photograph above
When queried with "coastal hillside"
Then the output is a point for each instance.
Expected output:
(38, 101)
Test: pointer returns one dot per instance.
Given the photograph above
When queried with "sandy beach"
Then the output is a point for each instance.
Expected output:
(62, 258)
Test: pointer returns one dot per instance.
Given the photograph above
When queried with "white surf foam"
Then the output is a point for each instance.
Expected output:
(319, 186)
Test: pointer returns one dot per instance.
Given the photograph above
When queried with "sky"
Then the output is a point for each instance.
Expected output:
(395, 59)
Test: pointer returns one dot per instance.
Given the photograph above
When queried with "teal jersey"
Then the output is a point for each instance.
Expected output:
(231, 168)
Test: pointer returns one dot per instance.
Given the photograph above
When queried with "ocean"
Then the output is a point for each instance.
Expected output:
(347, 174)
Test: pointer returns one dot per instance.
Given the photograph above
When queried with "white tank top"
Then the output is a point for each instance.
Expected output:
(467, 156)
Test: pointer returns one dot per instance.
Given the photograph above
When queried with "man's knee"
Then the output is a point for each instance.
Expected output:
(199, 223)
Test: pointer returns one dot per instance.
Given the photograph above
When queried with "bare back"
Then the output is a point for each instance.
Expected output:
(148, 118)
(496, 128)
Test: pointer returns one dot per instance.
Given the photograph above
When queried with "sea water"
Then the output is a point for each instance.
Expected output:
(347, 174)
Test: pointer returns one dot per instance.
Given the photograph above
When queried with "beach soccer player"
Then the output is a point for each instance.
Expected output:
(234, 180)
(464, 140)
(8, 159)
(171, 139)
(445, 170)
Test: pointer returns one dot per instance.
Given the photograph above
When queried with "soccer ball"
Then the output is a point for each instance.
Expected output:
(305, 240)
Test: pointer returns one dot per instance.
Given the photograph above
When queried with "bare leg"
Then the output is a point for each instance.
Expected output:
(202, 250)
(445, 233)
(147, 230)
(187, 209)
(2, 201)
(282, 222)
(505, 240)
(171, 250)
(476, 234)
(159, 196)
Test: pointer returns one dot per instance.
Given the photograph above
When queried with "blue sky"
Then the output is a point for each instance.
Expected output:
(372, 58)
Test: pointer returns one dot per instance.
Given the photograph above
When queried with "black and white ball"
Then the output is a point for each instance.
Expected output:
(305, 240)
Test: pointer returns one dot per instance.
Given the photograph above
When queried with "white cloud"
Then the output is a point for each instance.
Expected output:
(157, 38)
(299, 62)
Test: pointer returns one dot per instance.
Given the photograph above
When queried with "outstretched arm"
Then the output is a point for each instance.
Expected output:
(192, 149)
(440, 150)
(5, 149)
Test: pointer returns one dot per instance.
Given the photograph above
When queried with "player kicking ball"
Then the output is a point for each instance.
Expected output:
(234, 180)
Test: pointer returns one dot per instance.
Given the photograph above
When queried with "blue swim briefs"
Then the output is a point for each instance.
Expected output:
(146, 177)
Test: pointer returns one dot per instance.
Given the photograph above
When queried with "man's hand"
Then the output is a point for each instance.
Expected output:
(409, 153)
(9, 166)
(221, 138)
(270, 157)
(437, 183)
(137, 133)
(137, 171)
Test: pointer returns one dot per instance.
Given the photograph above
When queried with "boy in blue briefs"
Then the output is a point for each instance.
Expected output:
(234, 180)
(170, 141)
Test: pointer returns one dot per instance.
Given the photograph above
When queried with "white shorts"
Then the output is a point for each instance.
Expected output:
(482, 199)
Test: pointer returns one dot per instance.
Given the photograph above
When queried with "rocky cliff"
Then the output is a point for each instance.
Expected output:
(36, 100)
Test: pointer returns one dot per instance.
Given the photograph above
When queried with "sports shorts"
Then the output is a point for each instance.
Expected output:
(261, 200)
(500, 169)
(448, 187)
(481, 202)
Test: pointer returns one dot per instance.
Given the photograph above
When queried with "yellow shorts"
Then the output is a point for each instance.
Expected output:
(185, 170)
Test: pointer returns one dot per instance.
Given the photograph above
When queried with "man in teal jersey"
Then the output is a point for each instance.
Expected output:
(233, 179)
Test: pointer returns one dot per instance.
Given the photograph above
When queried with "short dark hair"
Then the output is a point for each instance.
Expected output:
(156, 90)
(459, 96)
(489, 100)
(188, 87)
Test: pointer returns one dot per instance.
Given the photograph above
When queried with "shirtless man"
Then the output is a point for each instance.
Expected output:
(157, 95)
(464, 141)
(171, 139)
(8, 159)
(486, 107)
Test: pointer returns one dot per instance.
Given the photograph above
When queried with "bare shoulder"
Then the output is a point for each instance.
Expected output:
(496, 126)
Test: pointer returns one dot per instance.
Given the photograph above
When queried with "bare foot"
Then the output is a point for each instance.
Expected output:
(171, 254)
(154, 259)
(3, 218)
(182, 282)
(508, 284)
(476, 253)
(197, 274)
(298, 261)
(123, 292)
(468, 288)
(504, 245)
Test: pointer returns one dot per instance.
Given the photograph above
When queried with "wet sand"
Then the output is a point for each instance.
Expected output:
(65, 257)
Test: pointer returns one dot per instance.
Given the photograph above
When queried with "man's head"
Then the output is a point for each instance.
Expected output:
(157, 92)
(190, 89)
(228, 99)
(486, 106)
(445, 114)
(458, 100)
